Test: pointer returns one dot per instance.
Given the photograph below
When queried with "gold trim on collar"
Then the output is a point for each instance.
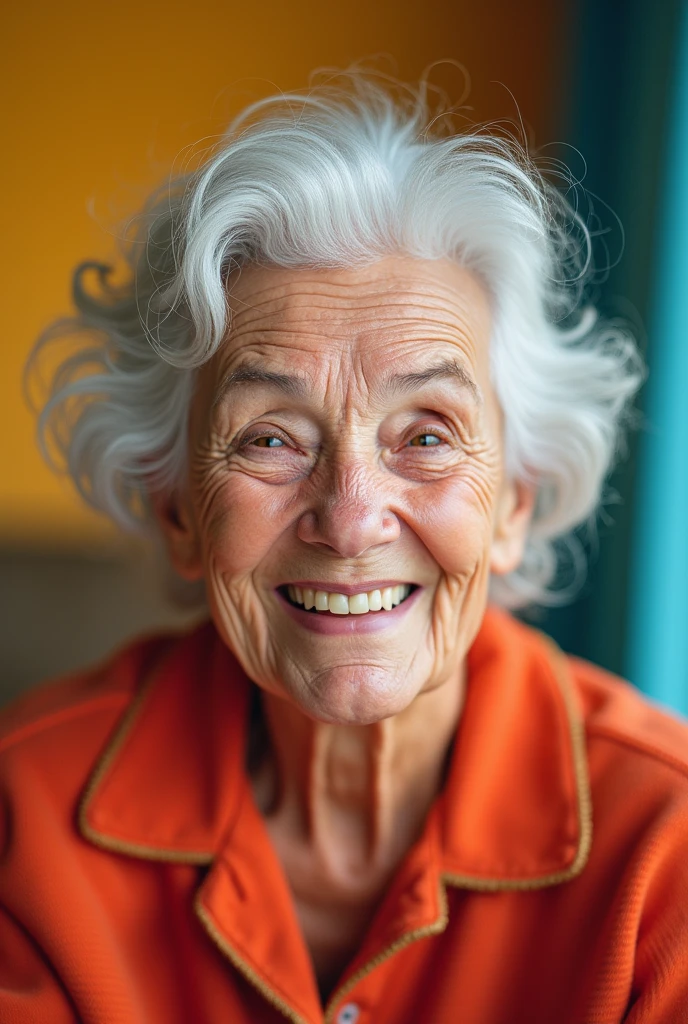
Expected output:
(268, 994)
(436, 927)
(583, 797)
(111, 843)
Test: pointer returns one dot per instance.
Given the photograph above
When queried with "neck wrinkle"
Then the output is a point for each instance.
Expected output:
(359, 795)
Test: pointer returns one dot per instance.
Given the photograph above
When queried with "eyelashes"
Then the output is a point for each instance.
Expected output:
(427, 439)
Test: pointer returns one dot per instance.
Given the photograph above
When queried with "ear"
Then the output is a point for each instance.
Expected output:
(512, 519)
(175, 518)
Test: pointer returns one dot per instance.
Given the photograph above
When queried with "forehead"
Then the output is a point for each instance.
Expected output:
(397, 308)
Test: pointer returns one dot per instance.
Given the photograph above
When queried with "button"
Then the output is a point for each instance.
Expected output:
(348, 1014)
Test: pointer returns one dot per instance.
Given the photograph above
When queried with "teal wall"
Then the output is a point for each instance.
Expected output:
(620, 119)
(657, 643)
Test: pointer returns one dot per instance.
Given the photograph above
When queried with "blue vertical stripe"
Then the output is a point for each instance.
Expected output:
(657, 647)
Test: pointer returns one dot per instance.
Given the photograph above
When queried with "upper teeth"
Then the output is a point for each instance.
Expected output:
(357, 604)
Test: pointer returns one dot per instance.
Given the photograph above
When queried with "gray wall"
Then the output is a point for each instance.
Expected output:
(68, 608)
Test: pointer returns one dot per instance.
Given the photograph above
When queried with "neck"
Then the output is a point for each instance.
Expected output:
(356, 796)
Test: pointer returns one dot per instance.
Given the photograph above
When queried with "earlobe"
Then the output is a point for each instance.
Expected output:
(511, 527)
(177, 525)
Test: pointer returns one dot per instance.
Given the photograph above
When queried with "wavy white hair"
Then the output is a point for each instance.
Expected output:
(340, 178)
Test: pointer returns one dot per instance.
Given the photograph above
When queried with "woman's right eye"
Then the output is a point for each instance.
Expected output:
(265, 441)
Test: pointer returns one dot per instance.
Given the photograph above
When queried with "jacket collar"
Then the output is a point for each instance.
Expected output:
(515, 812)
(169, 781)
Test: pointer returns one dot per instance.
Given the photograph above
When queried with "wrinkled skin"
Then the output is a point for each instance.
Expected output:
(359, 726)
(348, 498)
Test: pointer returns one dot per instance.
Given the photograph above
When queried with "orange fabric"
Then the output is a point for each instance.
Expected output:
(138, 884)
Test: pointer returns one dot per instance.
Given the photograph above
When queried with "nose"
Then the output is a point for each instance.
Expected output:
(349, 514)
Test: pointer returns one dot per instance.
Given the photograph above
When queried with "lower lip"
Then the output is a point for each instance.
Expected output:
(347, 625)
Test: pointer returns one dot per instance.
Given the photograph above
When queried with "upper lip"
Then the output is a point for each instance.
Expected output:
(347, 588)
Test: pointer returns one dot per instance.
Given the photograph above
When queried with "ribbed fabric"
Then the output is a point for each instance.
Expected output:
(139, 885)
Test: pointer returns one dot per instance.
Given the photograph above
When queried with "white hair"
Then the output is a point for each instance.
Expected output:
(342, 178)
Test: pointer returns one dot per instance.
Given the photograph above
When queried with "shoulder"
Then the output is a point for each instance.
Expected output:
(58, 730)
(637, 764)
(619, 716)
(635, 752)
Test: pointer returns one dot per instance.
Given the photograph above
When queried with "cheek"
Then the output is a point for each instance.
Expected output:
(454, 523)
(453, 519)
(240, 521)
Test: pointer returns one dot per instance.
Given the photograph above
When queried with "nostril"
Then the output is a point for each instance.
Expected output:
(348, 528)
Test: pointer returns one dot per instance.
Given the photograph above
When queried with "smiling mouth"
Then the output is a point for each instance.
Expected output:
(327, 602)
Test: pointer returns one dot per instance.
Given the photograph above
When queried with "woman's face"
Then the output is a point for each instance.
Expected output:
(346, 439)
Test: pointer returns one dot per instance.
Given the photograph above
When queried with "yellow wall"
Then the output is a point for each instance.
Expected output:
(100, 100)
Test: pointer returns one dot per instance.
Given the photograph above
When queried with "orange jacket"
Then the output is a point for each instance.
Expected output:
(138, 884)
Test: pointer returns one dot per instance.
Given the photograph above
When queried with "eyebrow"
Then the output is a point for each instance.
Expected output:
(406, 383)
(298, 387)
(287, 383)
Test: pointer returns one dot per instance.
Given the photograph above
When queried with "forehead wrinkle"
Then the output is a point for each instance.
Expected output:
(294, 314)
(347, 313)
(254, 369)
(399, 309)
(300, 314)
(289, 294)
(356, 337)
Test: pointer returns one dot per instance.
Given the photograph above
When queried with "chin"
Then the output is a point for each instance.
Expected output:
(360, 695)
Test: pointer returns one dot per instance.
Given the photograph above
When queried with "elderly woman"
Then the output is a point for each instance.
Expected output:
(352, 382)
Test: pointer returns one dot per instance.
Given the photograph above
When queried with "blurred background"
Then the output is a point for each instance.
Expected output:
(100, 103)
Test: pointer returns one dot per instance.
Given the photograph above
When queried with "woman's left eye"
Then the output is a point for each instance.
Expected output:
(425, 440)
